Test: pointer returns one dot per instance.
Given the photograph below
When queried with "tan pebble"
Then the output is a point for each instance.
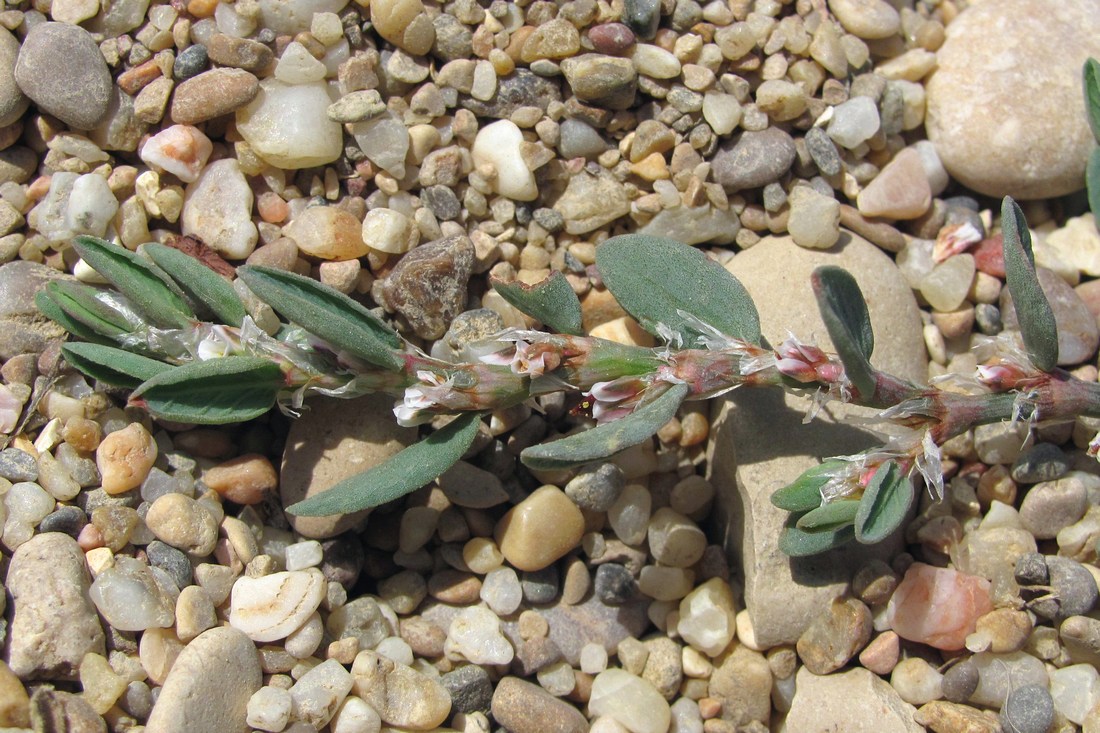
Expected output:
(710, 707)
(454, 586)
(327, 233)
(950, 716)
(101, 686)
(576, 583)
(180, 521)
(528, 541)
(532, 625)
(194, 613)
(14, 701)
(900, 191)
(956, 323)
(247, 479)
(694, 429)
(623, 330)
(82, 433)
(1006, 629)
(653, 167)
(344, 650)
(125, 457)
(882, 653)
(996, 484)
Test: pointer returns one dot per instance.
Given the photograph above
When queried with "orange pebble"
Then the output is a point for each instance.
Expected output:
(272, 208)
(202, 8)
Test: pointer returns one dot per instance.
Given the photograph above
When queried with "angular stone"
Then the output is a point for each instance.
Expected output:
(428, 286)
(590, 202)
(899, 191)
(857, 701)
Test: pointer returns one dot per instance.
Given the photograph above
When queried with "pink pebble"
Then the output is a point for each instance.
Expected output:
(989, 256)
(938, 606)
(181, 150)
(611, 38)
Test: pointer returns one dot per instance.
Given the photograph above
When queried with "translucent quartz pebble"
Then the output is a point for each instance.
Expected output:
(853, 122)
(708, 617)
(272, 606)
(287, 126)
(130, 598)
(28, 503)
(318, 693)
(630, 700)
(501, 590)
(945, 287)
(1076, 691)
(475, 634)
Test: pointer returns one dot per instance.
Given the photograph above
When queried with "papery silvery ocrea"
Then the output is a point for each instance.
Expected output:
(217, 344)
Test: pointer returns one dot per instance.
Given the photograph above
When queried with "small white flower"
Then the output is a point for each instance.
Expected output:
(419, 399)
(217, 344)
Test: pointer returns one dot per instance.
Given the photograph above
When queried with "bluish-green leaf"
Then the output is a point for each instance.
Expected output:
(328, 313)
(804, 493)
(204, 286)
(1092, 96)
(401, 474)
(50, 308)
(80, 303)
(148, 289)
(844, 312)
(213, 392)
(795, 542)
(660, 281)
(1092, 182)
(113, 366)
(552, 302)
(607, 439)
(1033, 312)
(885, 504)
(835, 514)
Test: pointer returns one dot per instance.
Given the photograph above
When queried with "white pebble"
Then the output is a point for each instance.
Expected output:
(853, 122)
(655, 62)
(304, 554)
(181, 150)
(708, 617)
(272, 606)
(387, 230)
(721, 111)
(319, 692)
(475, 634)
(1076, 691)
(629, 515)
(297, 66)
(396, 649)
(217, 208)
(303, 641)
(28, 502)
(593, 658)
(499, 145)
(288, 126)
(631, 700)
(91, 206)
(356, 716)
(557, 678)
(269, 709)
(502, 591)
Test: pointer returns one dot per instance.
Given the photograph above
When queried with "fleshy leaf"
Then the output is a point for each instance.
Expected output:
(139, 281)
(327, 313)
(1033, 312)
(795, 542)
(213, 392)
(828, 517)
(663, 282)
(805, 493)
(1092, 96)
(1092, 182)
(50, 308)
(607, 439)
(844, 312)
(551, 301)
(79, 302)
(113, 366)
(199, 282)
(401, 474)
(885, 503)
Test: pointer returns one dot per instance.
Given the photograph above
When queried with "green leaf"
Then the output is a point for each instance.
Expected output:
(1033, 312)
(795, 542)
(1092, 182)
(1092, 95)
(50, 308)
(145, 287)
(330, 314)
(660, 281)
(80, 303)
(828, 517)
(198, 282)
(885, 504)
(607, 439)
(401, 474)
(113, 366)
(844, 312)
(551, 302)
(213, 392)
(805, 493)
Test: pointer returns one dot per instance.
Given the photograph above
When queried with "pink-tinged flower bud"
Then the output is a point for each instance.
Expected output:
(1004, 375)
(953, 240)
(797, 369)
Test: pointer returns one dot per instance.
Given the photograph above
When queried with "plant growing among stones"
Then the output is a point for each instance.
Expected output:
(195, 348)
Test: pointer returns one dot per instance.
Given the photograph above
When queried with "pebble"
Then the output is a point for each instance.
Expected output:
(404, 24)
(180, 521)
(217, 210)
(881, 654)
(469, 687)
(853, 123)
(287, 125)
(868, 19)
(221, 668)
(62, 71)
(190, 62)
(428, 285)
(124, 458)
(271, 607)
(579, 140)
(1050, 506)
(949, 716)
(13, 103)
(754, 160)
(1075, 691)
(899, 191)
(239, 53)
(363, 619)
(848, 700)
(540, 586)
(937, 606)
(814, 219)
(600, 80)
(475, 634)
(17, 465)
(916, 681)
(592, 201)
(523, 707)
(946, 286)
(980, 137)
(212, 94)
(835, 636)
(632, 701)
(1028, 709)
(1078, 244)
(466, 485)
(53, 622)
(999, 674)
(247, 479)
(181, 150)
(596, 488)
(708, 617)
(501, 591)
(1073, 590)
(129, 596)
(675, 540)
(269, 708)
(529, 543)
(614, 584)
(328, 233)
(960, 681)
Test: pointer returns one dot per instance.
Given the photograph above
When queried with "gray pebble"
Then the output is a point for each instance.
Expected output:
(470, 688)
(521, 88)
(171, 561)
(442, 202)
(1041, 462)
(61, 69)
(614, 584)
(1078, 333)
(550, 219)
(823, 151)
(774, 197)
(1028, 709)
(66, 519)
(642, 17)
(596, 488)
(1073, 590)
(1031, 569)
(342, 560)
(579, 140)
(540, 586)
(15, 465)
(453, 40)
(190, 62)
(960, 681)
(988, 318)
(1051, 506)
(754, 160)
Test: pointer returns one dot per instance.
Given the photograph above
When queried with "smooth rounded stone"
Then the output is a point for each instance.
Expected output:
(592, 201)
(294, 16)
(466, 485)
(220, 668)
(363, 618)
(14, 700)
(614, 584)
(405, 24)
(916, 681)
(239, 53)
(1078, 244)
(881, 654)
(602, 81)
(578, 139)
(523, 707)
(853, 122)
(1028, 709)
(1073, 590)
(317, 694)
(814, 219)
(1075, 691)
(655, 62)
(212, 94)
(125, 457)
(759, 441)
(753, 160)
(1051, 506)
(869, 19)
(960, 681)
(17, 465)
(329, 443)
(611, 38)
(388, 230)
(129, 596)
(1005, 115)
(642, 17)
(91, 206)
(217, 209)
(1078, 334)
(171, 561)
(288, 127)
(781, 100)
(66, 519)
(269, 708)
(946, 286)
(631, 700)
(527, 541)
(721, 111)
(501, 591)
(17, 163)
(675, 540)
(53, 622)
(62, 71)
(475, 634)
(190, 62)
(937, 606)
(694, 225)
(428, 285)
(540, 586)
(852, 700)
(899, 191)
(470, 688)
(499, 145)
(13, 103)
(272, 606)
(664, 667)
(28, 503)
(554, 39)
(402, 696)
(823, 152)
(999, 674)
(1000, 631)
(1041, 462)
(181, 150)
(835, 636)
(742, 682)
(247, 479)
(708, 617)
(328, 233)
(597, 487)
